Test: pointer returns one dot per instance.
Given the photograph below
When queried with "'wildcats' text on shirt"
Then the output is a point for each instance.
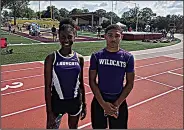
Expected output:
(112, 62)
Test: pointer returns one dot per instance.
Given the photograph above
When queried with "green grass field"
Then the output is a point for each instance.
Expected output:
(15, 39)
(80, 33)
(29, 53)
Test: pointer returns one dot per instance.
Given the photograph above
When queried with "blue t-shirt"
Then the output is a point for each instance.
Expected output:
(111, 68)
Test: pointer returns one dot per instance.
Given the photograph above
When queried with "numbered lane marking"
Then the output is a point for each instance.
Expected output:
(14, 85)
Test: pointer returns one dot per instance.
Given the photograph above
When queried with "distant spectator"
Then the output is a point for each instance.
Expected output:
(99, 32)
(29, 27)
(172, 34)
(164, 33)
(18, 27)
(13, 30)
(77, 28)
(54, 33)
(130, 29)
(9, 28)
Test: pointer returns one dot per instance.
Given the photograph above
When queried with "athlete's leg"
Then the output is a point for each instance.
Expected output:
(74, 110)
(99, 121)
(57, 121)
(53, 36)
(73, 121)
(56, 37)
(121, 121)
(58, 109)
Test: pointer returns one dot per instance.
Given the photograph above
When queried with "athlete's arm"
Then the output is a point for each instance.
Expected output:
(82, 88)
(130, 74)
(127, 89)
(82, 80)
(94, 86)
(109, 108)
(48, 80)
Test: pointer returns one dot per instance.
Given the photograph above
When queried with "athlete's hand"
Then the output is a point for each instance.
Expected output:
(83, 112)
(109, 108)
(50, 120)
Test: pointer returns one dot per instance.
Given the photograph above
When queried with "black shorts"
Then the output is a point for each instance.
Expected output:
(71, 106)
(54, 33)
(99, 121)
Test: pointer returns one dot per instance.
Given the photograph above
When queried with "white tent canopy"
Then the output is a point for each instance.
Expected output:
(27, 23)
(120, 24)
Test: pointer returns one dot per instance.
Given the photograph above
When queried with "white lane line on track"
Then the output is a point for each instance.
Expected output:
(32, 108)
(88, 67)
(179, 88)
(91, 93)
(160, 83)
(86, 85)
(33, 62)
(87, 77)
(23, 90)
(44, 104)
(153, 63)
(22, 78)
(26, 78)
(175, 73)
(137, 104)
(20, 70)
(156, 63)
(25, 110)
(160, 73)
(140, 78)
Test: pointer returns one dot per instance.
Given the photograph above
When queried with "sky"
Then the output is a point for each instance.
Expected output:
(161, 8)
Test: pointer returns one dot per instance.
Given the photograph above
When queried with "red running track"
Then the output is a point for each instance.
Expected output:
(156, 100)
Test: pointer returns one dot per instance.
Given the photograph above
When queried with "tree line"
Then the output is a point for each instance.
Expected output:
(20, 9)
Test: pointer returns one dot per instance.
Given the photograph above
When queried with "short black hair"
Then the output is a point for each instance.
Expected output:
(67, 23)
(113, 26)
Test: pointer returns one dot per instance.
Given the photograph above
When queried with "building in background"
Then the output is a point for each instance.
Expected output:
(84, 19)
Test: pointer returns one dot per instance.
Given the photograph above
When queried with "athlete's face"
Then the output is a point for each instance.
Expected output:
(113, 38)
(66, 38)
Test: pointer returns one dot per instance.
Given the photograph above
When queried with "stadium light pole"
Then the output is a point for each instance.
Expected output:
(137, 11)
(112, 11)
(23, 4)
(137, 18)
(113, 8)
(50, 10)
(39, 10)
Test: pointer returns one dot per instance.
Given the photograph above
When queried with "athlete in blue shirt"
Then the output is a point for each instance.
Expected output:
(111, 64)
(64, 87)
